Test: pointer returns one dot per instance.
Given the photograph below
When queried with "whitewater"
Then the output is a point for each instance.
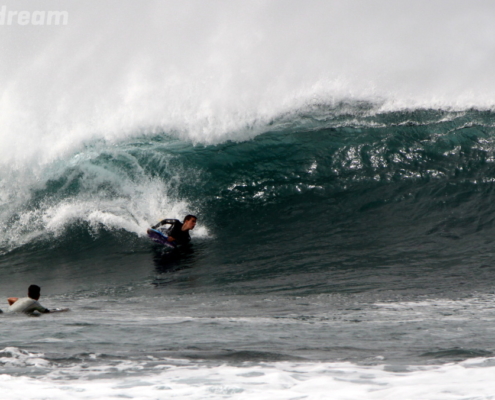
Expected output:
(340, 157)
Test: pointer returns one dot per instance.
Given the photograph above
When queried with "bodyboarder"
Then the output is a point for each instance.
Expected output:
(178, 232)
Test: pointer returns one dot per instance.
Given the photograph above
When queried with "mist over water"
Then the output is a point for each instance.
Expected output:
(215, 71)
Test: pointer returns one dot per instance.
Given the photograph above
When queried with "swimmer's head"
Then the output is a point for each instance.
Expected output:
(34, 292)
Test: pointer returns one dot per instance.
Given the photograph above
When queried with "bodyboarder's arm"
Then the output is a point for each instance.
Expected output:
(163, 222)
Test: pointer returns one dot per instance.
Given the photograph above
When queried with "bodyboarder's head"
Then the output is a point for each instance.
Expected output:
(189, 222)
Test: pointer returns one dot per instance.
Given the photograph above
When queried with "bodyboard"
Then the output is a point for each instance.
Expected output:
(159, 237)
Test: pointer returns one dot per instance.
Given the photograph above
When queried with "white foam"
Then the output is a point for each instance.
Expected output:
(282, 380)
(12, 356)
(133, 203)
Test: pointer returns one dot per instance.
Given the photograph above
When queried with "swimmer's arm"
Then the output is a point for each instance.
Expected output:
(163, 222)
(54, 310)
(38, 307)
(12, 300)
(44, 310)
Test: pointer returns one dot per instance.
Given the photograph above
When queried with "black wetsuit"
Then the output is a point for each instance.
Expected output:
(180, 236)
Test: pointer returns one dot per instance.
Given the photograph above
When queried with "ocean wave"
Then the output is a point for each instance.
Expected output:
(344, 159)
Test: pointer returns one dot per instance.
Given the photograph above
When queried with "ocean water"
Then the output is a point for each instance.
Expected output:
(342, 170)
